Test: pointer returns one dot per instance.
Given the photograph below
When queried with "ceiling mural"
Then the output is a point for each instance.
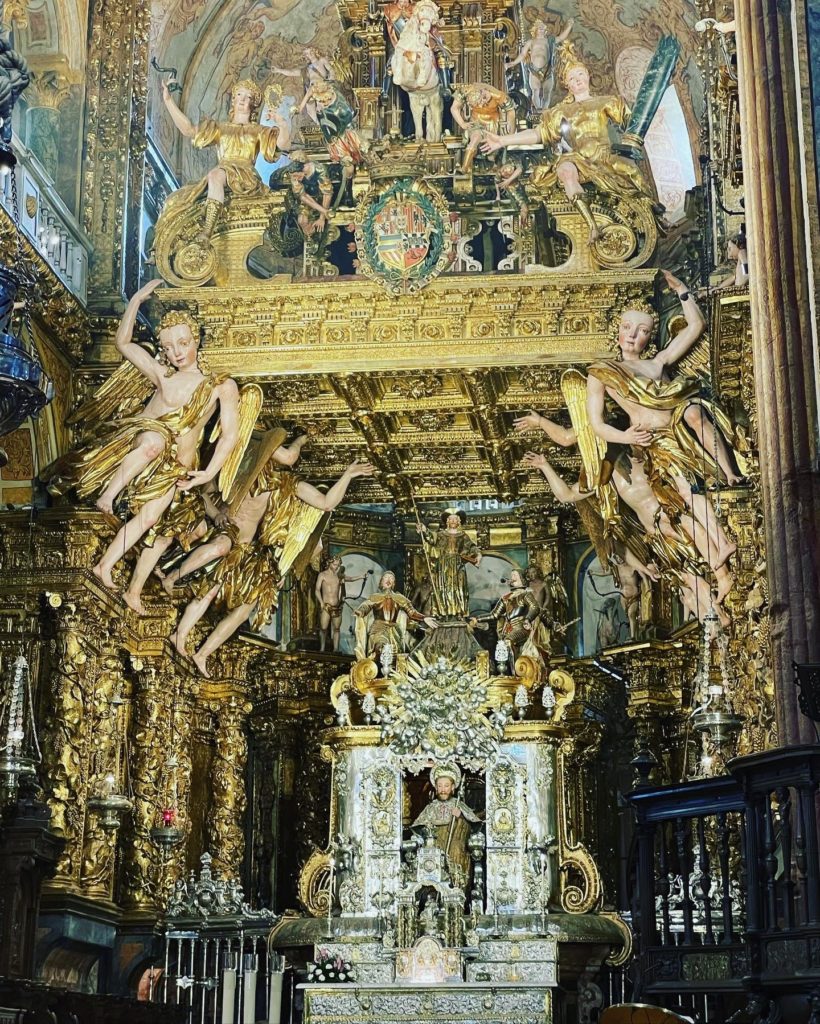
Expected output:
(213, 43)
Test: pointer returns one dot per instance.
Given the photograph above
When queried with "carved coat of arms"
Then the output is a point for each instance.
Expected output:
(404, 234)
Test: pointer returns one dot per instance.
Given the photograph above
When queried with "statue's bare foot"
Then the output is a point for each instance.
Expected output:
(734, 480)
(725, 583)
(201, 662)
(179, 642)
(134, 602)
(168, 583)
(724, 554)
(105, 504)
(104, 576)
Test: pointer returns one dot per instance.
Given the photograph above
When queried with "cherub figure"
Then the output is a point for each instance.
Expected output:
(317, 68)
(274, 518)
(151, 450)
(478, 109)
(537, 58)
(239, 142)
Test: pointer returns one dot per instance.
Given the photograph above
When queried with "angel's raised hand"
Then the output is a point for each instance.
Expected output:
(531, 421)
(536, 460)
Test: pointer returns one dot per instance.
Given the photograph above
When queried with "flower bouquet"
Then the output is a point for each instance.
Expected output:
(329, 969)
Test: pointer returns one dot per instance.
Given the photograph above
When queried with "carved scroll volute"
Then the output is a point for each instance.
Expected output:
(579, 879)
(226, 816)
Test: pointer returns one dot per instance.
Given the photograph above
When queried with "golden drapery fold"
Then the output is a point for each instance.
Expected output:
(586, 126)
(252, 573)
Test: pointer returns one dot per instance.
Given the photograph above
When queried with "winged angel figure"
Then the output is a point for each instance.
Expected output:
(641, 494)
(143, 433)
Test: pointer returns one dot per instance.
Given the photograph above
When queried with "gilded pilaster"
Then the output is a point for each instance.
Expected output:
(150, 717)
(229, 802)
(104, 709)
(65, 743)
(785, 356)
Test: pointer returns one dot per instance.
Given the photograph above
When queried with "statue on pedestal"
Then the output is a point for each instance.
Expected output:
(537, 58)
(415, 68)
(578, 129)
(450, 818)
(449, 549)
(390, 612)
(239, 142)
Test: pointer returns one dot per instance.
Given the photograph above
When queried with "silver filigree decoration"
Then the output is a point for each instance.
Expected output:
(438, 709)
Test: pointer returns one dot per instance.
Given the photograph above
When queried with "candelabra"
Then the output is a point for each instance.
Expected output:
(16, 764)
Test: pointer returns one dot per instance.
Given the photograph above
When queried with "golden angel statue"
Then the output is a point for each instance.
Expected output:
(578, 128)
(272, 525)
(239, 141)
(449, 549)
(388, 613)
(450, 819)
(145, 426)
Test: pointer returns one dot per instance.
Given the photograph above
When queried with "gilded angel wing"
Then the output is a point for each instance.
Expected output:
(122, 394)
(591, 447)
(698, 360)
(341, 62)
(305, 527)
(250, 405)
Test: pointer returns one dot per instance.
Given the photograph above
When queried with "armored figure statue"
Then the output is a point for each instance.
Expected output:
(451, 818)
(516, 614)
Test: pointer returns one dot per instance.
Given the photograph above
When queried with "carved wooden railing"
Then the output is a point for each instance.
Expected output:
(727, 902)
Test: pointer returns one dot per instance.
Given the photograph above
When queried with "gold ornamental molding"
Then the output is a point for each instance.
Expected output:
(283, 329)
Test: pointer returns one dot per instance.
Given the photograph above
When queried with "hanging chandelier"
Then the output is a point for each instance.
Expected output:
(17, 765)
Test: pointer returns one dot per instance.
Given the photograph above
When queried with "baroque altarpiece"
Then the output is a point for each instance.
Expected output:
(409, 502)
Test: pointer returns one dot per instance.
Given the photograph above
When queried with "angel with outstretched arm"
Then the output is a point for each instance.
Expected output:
(276, 522)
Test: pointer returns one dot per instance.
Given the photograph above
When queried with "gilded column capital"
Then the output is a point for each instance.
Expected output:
(53, 82)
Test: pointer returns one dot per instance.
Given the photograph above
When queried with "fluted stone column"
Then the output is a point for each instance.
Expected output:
(785, 351)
